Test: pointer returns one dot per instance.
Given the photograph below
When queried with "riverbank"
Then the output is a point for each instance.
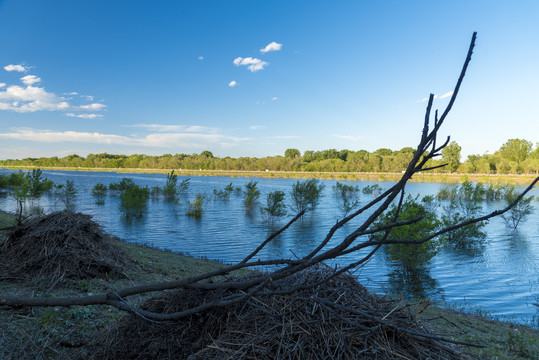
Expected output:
(66, 332)
(427, 177)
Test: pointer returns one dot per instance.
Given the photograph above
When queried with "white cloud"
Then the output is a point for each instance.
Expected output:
(30, 79)
(201, 58)
(175, 128)
(88, 97)
(161, 140)
(252, 64)
(84, 116)
(17, 68)
(272, 46)
(232, 83)
(257, 127)
(274, 98)
(94, 106)
(30, 99)
(447, 94)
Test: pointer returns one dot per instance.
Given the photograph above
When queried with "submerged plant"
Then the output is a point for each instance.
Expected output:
(195, 207)
(99, 191)
(465, 203)
(410, 255)
(275, 206)
(251, 195)
(347, 197)
(306, 195)
(66, 194)
(518, 213)
(134, 200)
(170, 190)
(224, 194)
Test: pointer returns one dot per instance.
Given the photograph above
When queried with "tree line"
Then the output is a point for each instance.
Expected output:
(516, 156)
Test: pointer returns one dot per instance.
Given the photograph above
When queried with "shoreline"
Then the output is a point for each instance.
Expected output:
(502, 338)
(448, 178)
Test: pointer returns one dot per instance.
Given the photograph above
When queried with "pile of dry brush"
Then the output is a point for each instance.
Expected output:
(338, 319)
(60, 246)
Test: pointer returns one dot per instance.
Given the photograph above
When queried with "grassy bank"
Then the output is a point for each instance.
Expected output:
(509, 179)
(39, 333)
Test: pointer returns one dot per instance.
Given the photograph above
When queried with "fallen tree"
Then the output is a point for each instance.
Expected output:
(226, 293)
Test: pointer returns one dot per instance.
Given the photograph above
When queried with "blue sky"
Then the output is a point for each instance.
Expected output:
(253, 78)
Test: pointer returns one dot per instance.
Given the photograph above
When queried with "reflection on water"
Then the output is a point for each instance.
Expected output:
(473, 251)
(500, 276)
(415, 283)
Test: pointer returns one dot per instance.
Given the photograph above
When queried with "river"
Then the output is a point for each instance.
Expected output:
(501, 278)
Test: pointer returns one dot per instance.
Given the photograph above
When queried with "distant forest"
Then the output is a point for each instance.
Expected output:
(516, 156)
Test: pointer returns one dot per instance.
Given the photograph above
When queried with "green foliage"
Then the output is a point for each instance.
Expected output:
(184, 186)
(306, 195)
(465, 203)
(410, 256)
(155, 192)
(515, 156)
(292, 153)
(99, 190)
(29, 186)
(170, 190)
(495, 191)
(518, 213)
(516, 150)
(347, 197)
(134, 200)
(16, 180)
(251, 195)
(451, 156)
(230, 188)
(195, 207)
(224, 194)
(372, 189)
(123, 185)
(275, 206)
(37, 185)
(66, 194)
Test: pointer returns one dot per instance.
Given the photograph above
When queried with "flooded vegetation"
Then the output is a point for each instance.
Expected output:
(492, 266)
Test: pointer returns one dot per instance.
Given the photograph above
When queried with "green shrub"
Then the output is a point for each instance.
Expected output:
(155, 192)
(251, 195)
(306, 195)
(184, 186)
(347, 197)
(66, 194)
(224, 194)
(195, 207)
(99, 190)
(275, 206)
(170, 190)
(465, 203)
(134, 200)
(518, 213)
(123, 185)
(410, 256)
(372, 189)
